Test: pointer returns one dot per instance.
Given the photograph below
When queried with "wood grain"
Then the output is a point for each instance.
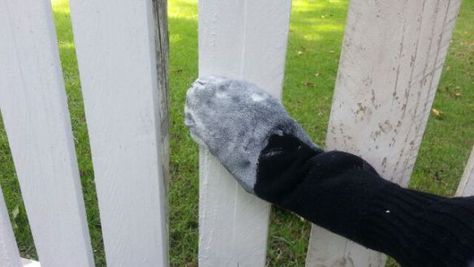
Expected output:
(122, 55)
(245, 40)
(34, 109)
(391, 62)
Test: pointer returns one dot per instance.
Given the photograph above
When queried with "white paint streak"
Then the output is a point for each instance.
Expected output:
(34, 109)
(466, 186)
(391, 61)
(30, 263)
(246, 41)
(126, 117)
(257, 98)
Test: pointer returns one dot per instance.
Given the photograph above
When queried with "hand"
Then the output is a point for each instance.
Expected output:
(234, 120)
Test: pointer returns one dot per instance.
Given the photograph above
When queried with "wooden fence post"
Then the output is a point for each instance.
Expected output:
(238, 39)
(122, 55)
(466, 186)
(9, 255)
(392, 58)
(34, 108)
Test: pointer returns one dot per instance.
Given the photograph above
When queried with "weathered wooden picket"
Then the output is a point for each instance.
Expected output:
(392, 57)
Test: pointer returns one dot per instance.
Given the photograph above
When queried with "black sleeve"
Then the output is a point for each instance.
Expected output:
(344, 194)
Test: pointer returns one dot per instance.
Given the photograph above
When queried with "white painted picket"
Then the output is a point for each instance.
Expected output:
(392, 56)
(127, 121)
(247, 40)
(466, 186)
(9, 255)
(34, 109)
(30, 263)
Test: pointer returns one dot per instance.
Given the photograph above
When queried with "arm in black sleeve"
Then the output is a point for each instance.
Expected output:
(242, 126)
(344, 194)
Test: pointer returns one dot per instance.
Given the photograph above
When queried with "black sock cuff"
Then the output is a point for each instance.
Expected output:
(344, 194)
(419, 229)
(281, 167)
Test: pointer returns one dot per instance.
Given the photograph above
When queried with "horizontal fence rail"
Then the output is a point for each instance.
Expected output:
(390, 66)
(36, 117)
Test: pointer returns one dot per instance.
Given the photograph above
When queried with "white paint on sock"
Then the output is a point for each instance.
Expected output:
(257, 97)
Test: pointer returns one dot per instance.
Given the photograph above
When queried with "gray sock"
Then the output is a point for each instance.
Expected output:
(234, 119)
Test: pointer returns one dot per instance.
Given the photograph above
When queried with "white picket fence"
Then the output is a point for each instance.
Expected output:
(392, 57)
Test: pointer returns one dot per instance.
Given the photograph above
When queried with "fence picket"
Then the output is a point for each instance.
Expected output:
(125, 98)
(34, 109)
(391, 61)
(237, 39)
(466, 186)
(9, 255)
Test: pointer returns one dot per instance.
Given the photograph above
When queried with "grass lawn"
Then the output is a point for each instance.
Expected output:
(314, 46)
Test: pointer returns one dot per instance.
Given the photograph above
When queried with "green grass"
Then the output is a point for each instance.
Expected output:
(316, 32)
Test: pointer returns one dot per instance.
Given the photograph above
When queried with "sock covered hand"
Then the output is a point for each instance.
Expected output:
(271, 156)
(234, 120)
(264, 149)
